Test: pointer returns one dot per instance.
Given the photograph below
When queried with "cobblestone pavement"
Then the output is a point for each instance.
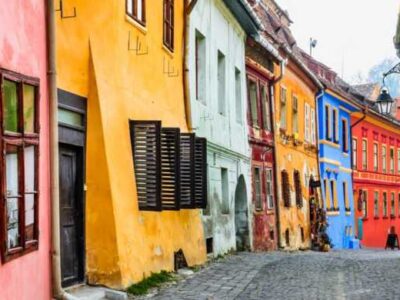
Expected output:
(364, 274)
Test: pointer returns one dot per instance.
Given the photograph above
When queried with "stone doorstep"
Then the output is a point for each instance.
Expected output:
(85, 292)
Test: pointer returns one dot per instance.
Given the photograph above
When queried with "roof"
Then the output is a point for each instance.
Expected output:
(369, 90)
(244, 15)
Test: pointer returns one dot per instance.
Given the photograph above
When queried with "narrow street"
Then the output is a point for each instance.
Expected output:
(364, 274)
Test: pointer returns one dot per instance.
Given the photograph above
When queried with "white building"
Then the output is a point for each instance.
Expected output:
(217, 75)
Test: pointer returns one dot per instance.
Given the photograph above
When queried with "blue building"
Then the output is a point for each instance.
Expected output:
(334, 107)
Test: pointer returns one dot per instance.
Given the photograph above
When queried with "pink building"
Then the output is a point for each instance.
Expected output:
(24, 142)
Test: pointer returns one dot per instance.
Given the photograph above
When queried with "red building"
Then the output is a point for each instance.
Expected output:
(376, 163)
(260, 68)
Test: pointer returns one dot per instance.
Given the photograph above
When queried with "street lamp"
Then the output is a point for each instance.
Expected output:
(385, 102)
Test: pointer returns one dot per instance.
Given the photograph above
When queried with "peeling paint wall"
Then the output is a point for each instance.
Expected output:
(124, 244)
(292, 157)
(23, 50)
(227, 139)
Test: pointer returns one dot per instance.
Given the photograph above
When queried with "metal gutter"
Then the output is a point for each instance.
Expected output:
(244, 15)
(185, 74)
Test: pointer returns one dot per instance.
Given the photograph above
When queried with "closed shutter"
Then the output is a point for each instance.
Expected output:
(187, 170)
(285, 188)
(307, 122)
(170, 174)
(313, 129)
(297, 185)
(146, 141)
(200, 173)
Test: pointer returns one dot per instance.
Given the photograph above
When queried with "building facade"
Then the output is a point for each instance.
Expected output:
(335, 107)
(218, 104)
(294, 124)
(25, 271)
(376, 163)
(260, 67)
(128, 167)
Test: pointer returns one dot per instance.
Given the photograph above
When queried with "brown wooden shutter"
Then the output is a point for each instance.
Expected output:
(146, 141)
(297, 185)
(200, 173)
(170, 170)
(285, 188)
(187, 170)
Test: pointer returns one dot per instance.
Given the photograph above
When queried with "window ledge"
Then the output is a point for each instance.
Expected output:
(393, 217)
(168, 51)
(333, 213)
(376, 218)
(385, 217)
(135, 23)
(348, 213)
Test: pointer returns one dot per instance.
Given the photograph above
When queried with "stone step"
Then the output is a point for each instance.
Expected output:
(85, 292)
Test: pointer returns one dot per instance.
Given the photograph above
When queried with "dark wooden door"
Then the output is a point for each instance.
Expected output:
(71, 215)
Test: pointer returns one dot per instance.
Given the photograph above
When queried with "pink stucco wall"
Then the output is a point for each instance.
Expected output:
(23, 50)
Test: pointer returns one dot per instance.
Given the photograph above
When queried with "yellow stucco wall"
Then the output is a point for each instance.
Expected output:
(122, 243)
(291, 157)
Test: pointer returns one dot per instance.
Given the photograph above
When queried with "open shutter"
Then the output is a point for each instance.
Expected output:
(285, 188)
(170, 170)
(200, 173)
(146, 140)
(313, 129)
(307, 122)
(298, 190)
(187, 170)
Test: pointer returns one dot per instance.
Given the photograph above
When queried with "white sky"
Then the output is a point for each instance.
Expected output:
(353, 35)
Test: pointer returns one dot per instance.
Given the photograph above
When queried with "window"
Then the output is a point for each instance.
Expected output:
(355, 150)
(200, 67)
(345, 136)
(287, 237)
(334, 195)
(385, 204)
(168, 29)
(364, 204)
(283, 108)
(391, 163)
(364, 154)
(327, 194)
(266, 107)
(297, 187)
(376, 160)
(225, 191)
(238, 96)
(20, 136)
(307, 122)
(253, 101)
(137, 10)
(313, 129)
(346, 196)
(221, 83)
(327, 122)
(335, 126)
(384, 160)
(295, 115)
(285, 188)
(398, 160)
(269, 189)
(376, 204)
(257, 188)
(170, 167)
(392, 205)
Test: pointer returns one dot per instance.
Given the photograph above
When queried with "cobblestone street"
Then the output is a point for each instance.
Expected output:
(365, 274)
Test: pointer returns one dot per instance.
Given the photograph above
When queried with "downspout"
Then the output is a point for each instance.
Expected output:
(317, 139)
(276, 171)
(54, 171)
(188, 7)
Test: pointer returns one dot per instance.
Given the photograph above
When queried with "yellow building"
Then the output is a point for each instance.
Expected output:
(295, 128)
(118, 61)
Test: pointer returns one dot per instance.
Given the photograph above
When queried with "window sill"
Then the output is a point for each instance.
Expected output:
(385, 217)
(333, 213)
(168, 51)
(135, 23)
(348, 213)
(18, 252)
(393, 217)
(376, 218)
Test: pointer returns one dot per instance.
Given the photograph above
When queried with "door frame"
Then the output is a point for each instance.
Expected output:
(75, 137)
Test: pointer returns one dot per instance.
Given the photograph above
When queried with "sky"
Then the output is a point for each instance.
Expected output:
(353, 35)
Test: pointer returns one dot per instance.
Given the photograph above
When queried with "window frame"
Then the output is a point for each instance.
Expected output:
(258, 193)
(392, 204)
(345, 136)
(269, 194)
(335, 125)
(266, 116)
(376, 156)
(384, 205)
(355, 153)
(328, 131)
(364, 154)
(295, 114)
(376, 204)
(134, 14)
(307, 122)
(168, 24)
(283, 107)
(22, 140)
(384, 159)
(391, 160)
(254, 108)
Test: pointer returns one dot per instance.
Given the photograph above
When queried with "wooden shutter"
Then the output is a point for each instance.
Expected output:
(307, 122)
(170, 170)
(285, 188)
(313, 129)
(297, 185)
(146, 140)
(187, 170)
(200, 173)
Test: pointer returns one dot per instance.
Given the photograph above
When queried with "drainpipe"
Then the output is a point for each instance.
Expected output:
(188, 7)
(321, 93)
(365, 111)
(54, 172)
(276, 171)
